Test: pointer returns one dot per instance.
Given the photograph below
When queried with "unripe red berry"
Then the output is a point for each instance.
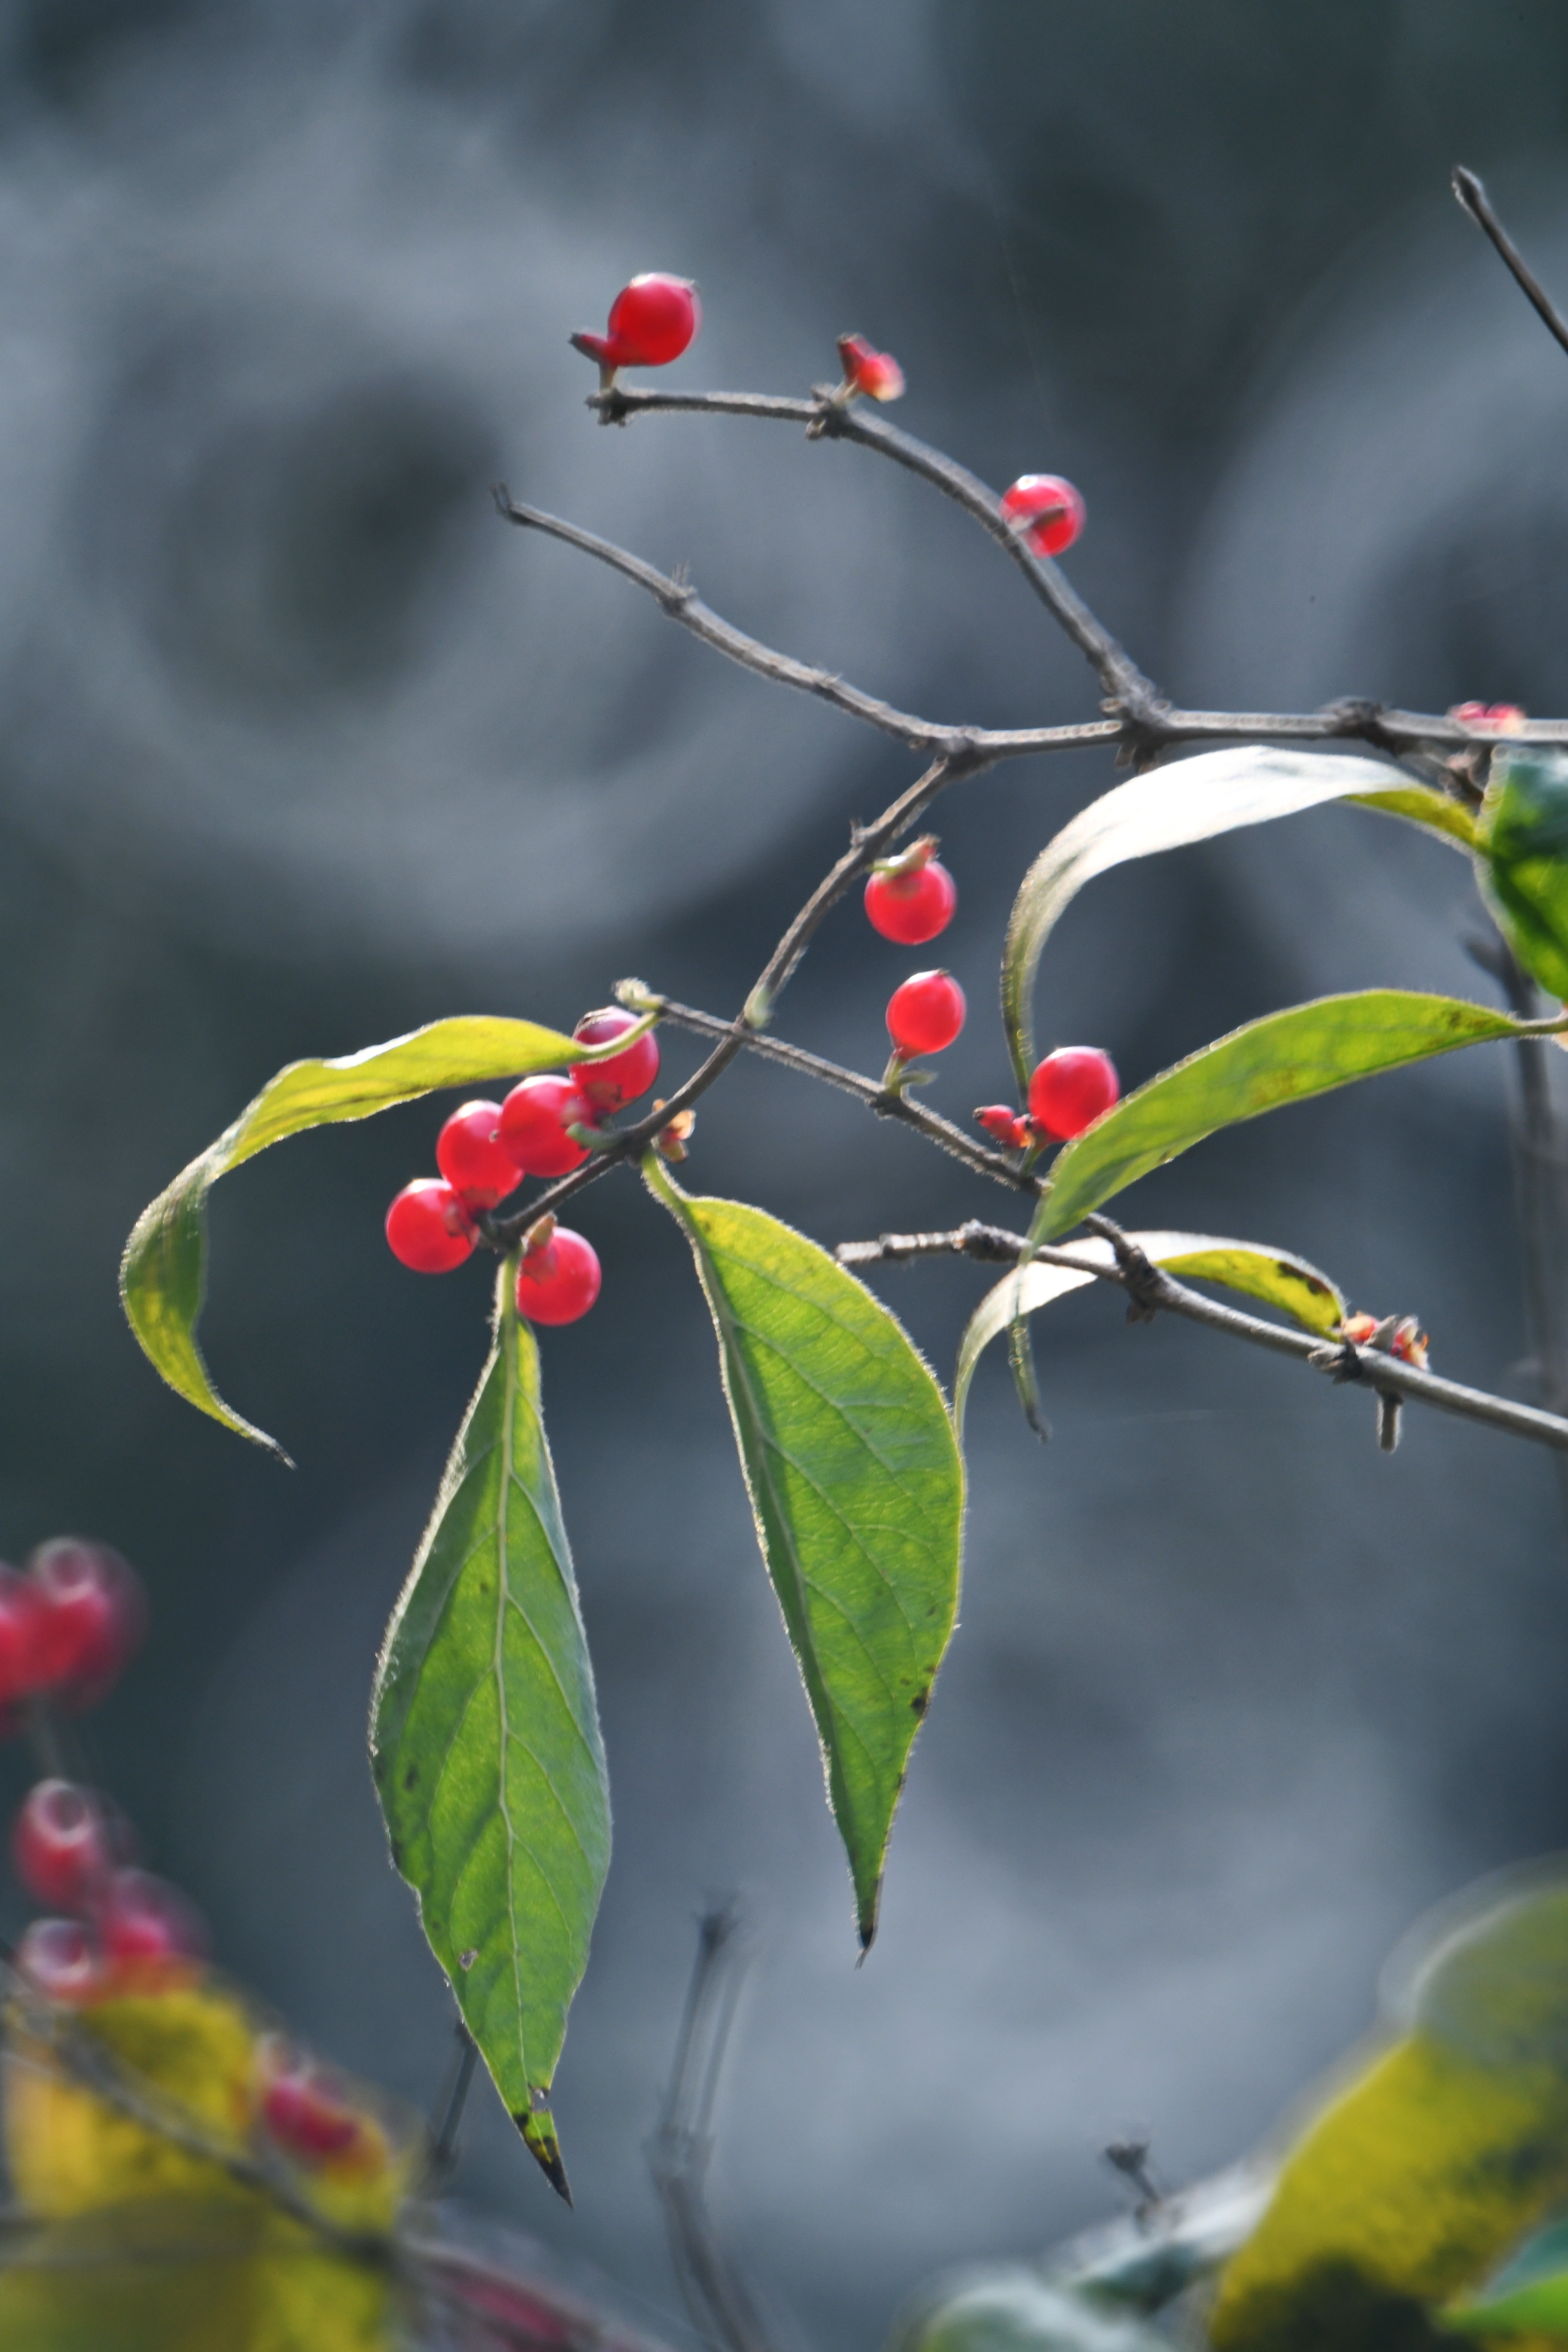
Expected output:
(534, 1119)
(65, 1844)
(469, 1156)
(876, 373)
(300, 2105)
(558, 1275)
(21, 1632)
(912, 899)
(146, 1925)
(1070, 1090)
(93, 1618)
(63, 1960)
(1058, 505)
(652, 320)
(1001, 1124)
(925, 1013)
(605, 1085)
(427, 1228)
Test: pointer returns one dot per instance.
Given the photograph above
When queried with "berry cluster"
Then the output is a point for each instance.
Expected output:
(70, 1623)
(1068, 1092)
(544, 1127)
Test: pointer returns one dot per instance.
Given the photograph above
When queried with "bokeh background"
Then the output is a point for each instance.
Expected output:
(300, 747)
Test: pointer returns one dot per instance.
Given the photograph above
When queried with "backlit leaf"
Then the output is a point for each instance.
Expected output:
(162, 1278)
(485, 1738)
(1528, 2296)
(1523, 868)
(1285, 1057)
(1191, 800)
(857, 1492)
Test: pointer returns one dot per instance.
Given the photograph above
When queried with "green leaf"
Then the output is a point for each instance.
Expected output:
(858, 1491)
(485, 1738)
(1276, 1277)
(1528, 2296)
(1285, 1057)
(1523, 867)
(1190, 801)
(162, 1278)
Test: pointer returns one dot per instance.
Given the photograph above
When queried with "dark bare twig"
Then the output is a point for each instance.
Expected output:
(1473, 197)
(455, 2098)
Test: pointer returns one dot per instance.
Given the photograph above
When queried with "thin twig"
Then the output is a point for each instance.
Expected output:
(1157, 1289)
(444, 2139)
(1473, 197)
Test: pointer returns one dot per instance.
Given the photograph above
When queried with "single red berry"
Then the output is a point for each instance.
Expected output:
(651, 322)
(925, 1013)
(534, 1119)
(146, 1923)
(1060, 507)
(912, 903)
(1489, 718)
(1001, 1124)
(427, 1228)
(93, 1619)
(558, 1277)
(63, 1960)
(876, 373)
(1070, 1090)
(65, 1844)
(469, 1156)
(606, 1085)
(300, 2104)
(21, 1630)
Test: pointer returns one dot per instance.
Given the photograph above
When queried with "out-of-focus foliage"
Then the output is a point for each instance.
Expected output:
(1522, 860)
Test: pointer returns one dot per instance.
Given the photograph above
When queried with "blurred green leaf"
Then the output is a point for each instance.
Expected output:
(162, 1278)
(1276, 1277)
(485, 1738)
(1528, 2296)
(1191, 800)
(1285, 1057)
(858, 1491)
(1523, 867)
(1009, 2308)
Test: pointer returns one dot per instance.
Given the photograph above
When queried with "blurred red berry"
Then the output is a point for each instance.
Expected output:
(92, 1621)
(558, 1276)
(1060, 507)
(65, 1844)
(651, 322)
(21, 1629)
(146, 1923)
(534, 1119)
(469, 1156)
(1070, 1090)
(925, 1013)
(912, 898)
(63, 1960)
(606, 1085)
(300, 2104)
(1489, 718)
(427, 1228)
(876, 373)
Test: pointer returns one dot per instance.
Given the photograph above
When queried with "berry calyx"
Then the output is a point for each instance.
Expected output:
(651, 322)
(534, 1119)
(63, 1960)
(65, 1844)
(911, 898)
(92, 1619)
(876, 373)
(300, 2105)
(925, 1013)
(558, 1275)
(1070, 1090)
(1003, 1126)
(427, 1228)
(1056, 508)
(480, 1170)
(147, 1926)
(606, 1085)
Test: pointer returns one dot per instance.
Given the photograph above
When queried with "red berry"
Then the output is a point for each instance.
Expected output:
(652, 320)
(21, 1629)
(92, 1621)
(146, 1923)
(1070, 1090)
(926, 1013)
(471, 1159)
(534, 1119)
(1489, 718)
(876, 373)
(1001, 1124)
(62, 1959)
(1059, 505)
(620, 1079)
(65, 1844)
(300, 2105)
(912, 903)
(558, 1278)
(427, 1227)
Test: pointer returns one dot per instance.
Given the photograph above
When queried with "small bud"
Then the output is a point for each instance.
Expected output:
(671, 1141)
(876, 373)
(539, 1235)
(910, 860)
(1489, 717)
(1410, 1343)
(1001, 1124)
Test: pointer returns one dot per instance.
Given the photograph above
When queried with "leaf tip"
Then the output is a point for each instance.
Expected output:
(538, 2129)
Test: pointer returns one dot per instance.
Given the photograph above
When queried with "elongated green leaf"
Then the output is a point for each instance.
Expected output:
(1275, 1276)
(1190, 801)
(1285, 1057)
(163, 1277)
(857, 1490)
(1523, 865)
(485, 1739)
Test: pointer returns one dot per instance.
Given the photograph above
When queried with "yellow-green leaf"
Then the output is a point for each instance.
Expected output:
(1522, 867)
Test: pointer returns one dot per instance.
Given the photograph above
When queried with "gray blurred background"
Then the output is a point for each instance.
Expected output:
(300, 747)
